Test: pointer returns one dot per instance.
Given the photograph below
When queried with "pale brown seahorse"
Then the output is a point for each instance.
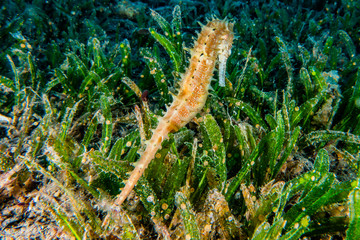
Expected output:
(213, 45)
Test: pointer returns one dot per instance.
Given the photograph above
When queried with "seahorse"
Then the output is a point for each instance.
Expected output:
(213, 45)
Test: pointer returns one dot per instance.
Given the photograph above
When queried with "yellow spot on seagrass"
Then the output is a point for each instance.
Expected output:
(162, 80)
(183, 206)
(215, 148)
(153, 213)
(206, 163)
(22, 45)
(128, 144)
(238, 104)
(158, 155)
(354, 63)
(297, 109)
(229, 155)
(192, 190)
(313, 178)
(221, 140)
(252, 163)
(164, 206)
(178, 33)
(106, 138)
(242, 89)
(153, 71)
(304, 222)
(142, 76)
(122, 45)
(108, 122)
(188, 237)
(200, 145)
(207, 228)
(296, 226)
